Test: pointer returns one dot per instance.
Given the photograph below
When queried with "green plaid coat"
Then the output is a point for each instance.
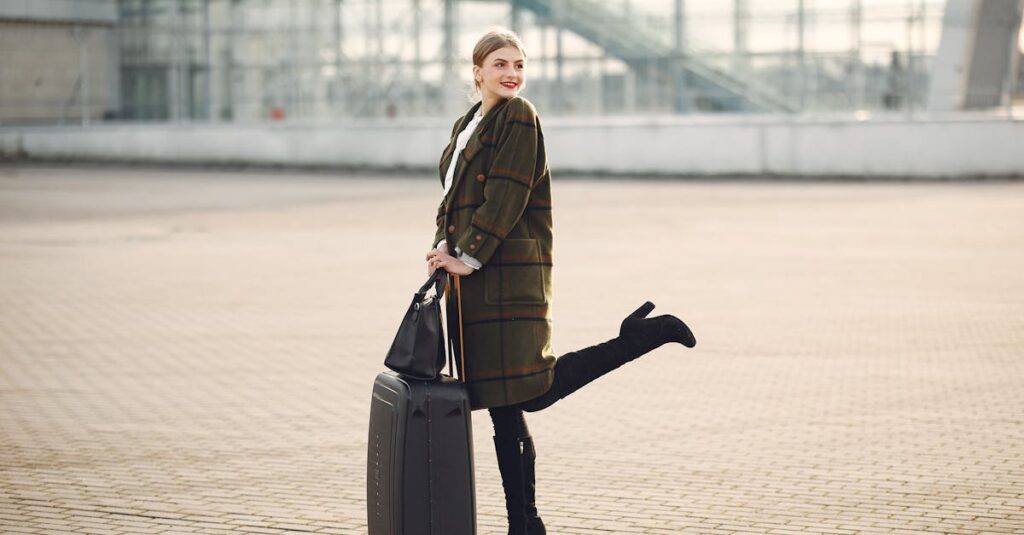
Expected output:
(498, 210)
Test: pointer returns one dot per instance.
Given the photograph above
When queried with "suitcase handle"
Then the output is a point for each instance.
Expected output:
(462, 352)
(451, 342)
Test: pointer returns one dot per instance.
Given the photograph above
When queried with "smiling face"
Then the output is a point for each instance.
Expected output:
(502, 74)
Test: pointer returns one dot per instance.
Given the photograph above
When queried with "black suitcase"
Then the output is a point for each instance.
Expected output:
(419, 470)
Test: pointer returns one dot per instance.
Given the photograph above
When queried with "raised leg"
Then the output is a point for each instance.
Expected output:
(638, 335)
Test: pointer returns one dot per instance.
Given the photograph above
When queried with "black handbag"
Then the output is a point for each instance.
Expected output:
(418, 350)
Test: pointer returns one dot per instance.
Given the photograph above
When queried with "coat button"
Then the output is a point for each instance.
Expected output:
(451, 228)
(479, 237)
(472, 246)
(480, 178)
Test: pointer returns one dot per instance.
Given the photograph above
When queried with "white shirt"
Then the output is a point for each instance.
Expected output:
(449, 176)
(460, 144)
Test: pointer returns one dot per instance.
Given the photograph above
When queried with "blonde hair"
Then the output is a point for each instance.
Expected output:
(495, 39)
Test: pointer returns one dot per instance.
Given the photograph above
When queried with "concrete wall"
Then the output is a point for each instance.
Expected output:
(965, 146)
(48, 68)
(80, 11)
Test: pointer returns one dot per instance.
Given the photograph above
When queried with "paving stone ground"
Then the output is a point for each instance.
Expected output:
(193, 351)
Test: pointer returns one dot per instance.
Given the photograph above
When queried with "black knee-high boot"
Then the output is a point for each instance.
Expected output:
(638, 335)
(510, 464)
(516, 462)
(534, 525)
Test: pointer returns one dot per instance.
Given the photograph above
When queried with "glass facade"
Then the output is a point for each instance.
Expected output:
(311, 60)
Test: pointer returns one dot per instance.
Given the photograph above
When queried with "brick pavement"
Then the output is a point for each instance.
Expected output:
(192, 352)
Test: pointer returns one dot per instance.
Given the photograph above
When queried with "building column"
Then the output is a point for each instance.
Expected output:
(450, 78)
(680, 82)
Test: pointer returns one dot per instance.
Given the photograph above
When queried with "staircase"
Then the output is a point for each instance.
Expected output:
(628, 37)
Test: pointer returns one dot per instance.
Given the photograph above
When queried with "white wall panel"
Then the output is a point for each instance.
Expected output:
(936, 148)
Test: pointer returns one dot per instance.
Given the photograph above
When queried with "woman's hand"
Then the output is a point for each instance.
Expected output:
(439, 258)
(442, 248)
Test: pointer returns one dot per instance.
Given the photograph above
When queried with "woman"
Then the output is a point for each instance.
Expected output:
(495, 217)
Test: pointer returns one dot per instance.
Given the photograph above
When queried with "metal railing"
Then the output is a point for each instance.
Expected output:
(241, 60)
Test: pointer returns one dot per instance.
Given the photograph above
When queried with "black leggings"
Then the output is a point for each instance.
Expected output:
(509, 422)
(571, 372)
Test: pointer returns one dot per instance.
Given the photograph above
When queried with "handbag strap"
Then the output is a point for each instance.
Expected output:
(438, 280)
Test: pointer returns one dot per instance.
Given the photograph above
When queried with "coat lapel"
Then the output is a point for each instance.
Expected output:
(446, 156)
(473, 145)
